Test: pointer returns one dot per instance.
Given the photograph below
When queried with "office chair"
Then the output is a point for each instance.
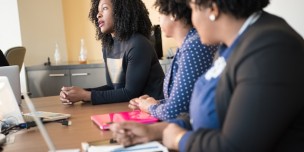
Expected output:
(15, 56)
(3, 61)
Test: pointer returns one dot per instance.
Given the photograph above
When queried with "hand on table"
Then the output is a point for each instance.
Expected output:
(143, 103)
(133, 104)
(130, 133)
(70, 95)
(172, 134)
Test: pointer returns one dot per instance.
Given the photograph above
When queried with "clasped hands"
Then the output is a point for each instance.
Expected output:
(71, 95)
(143, 103)
(132, 133)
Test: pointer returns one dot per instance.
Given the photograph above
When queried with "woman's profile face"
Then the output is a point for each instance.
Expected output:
(105, 16)
(166, 24)
(200, 20)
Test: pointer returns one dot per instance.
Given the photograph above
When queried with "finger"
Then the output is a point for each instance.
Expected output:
(121, 127)
(133, 102)
(121, 137)
(66, 88)
(138, 140)
(68, 103)
(114, 136)
(65, 92)
(64, 99)
(62, 94)
(151, 98)
(115, 133)
(144, 96)
(138, 100)
(116, 128)
(129, 125)
(127, 141)
(124, 139)
(133, 107)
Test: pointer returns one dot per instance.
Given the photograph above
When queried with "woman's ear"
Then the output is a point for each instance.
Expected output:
(214, 11)
(172, 18)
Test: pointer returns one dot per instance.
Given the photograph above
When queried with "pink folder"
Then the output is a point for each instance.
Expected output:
(103, 121)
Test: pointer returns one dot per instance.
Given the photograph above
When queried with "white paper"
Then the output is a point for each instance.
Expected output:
(146, 147)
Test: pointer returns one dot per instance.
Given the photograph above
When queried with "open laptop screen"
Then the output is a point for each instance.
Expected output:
(12, 73)
(9, 109)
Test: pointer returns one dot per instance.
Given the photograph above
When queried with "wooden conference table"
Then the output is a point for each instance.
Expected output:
(64, 137)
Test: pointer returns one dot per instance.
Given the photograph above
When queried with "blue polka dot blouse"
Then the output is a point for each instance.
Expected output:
(192, 59)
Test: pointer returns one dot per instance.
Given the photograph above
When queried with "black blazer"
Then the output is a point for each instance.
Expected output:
(3, 61)
(259, 98)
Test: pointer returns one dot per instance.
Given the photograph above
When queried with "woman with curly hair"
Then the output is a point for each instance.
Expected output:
(132, 66)
(192, 59)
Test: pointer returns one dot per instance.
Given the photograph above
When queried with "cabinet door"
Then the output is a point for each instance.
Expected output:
(47, 82)
(88, 77)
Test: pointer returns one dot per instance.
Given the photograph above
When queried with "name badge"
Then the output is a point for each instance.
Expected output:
(216, 69)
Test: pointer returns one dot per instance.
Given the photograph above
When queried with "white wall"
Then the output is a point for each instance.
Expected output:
(154, 17)
(292, 11)
(34, 24)
(10, 35)
(41, 23)
(41, 27)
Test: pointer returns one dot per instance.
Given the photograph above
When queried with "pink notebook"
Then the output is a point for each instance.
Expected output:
(104, 120)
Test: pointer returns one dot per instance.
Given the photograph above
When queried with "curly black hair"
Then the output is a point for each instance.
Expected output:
(238, 8)
(130, 16)
(177, 8)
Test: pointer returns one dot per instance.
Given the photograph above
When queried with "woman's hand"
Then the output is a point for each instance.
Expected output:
(144, 104)
(130, 133)
(172, 134)
(133, 103)
(70, 95)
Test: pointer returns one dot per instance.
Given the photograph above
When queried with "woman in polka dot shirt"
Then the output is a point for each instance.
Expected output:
(192, 59)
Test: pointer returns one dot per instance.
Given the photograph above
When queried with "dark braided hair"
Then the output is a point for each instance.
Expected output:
(177, 8)
(130, 16)
(237, 8)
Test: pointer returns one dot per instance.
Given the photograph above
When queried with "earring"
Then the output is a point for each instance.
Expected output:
(212, 17)
(172, 18)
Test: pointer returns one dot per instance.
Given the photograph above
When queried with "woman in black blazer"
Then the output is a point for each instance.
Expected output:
(3, 61)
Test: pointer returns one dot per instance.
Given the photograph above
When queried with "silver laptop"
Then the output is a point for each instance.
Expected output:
(9, 109)
(10, 112)
(12, 73)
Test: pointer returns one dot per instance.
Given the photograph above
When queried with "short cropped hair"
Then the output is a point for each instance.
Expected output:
(237, 8)
(177, 8)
